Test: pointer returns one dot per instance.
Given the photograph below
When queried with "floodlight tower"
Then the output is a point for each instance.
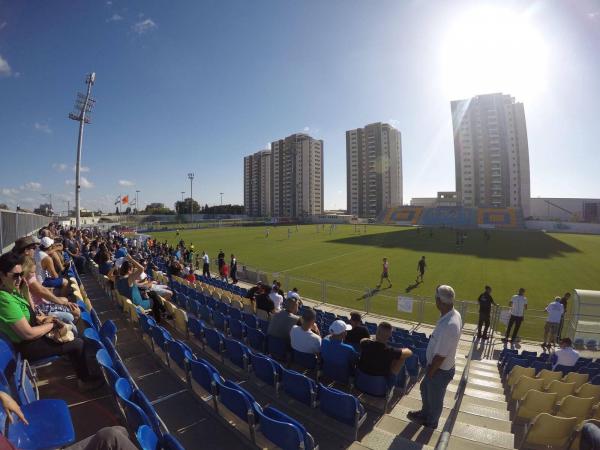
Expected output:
(81, 113)
(191, 177)
(221, 194)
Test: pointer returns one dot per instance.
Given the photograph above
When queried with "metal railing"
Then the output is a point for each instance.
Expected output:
(15, 224)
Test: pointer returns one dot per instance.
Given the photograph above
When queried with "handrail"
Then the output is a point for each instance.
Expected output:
(442, 442)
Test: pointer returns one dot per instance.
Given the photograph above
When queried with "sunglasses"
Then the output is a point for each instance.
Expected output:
(15, 275)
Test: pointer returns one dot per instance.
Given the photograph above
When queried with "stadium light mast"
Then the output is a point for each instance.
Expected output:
(81, 113)
(137, 206)
(191, 177)
(221, 194)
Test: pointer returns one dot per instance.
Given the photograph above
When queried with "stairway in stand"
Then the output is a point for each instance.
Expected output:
(482, 421)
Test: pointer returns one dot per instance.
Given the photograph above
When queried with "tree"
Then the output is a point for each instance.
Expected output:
(128, 210)
(3, 206)
(185, 207)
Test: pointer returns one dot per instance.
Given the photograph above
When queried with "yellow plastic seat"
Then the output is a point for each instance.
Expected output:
(549, 376)
(180, 319)
(534, 403)
(525, 384)
(578, 378)
(572, 406)
(548, 430)
(562, 389)
(170, 307)
(589, 390)
(517, 372)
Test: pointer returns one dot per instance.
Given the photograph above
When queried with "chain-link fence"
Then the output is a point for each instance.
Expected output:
(14, 225)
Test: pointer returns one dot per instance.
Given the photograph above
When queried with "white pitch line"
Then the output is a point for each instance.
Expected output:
(320, 261)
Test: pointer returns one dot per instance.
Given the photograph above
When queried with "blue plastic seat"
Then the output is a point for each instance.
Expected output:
(256, 339)
(342, 407)
(146, 324)
(205, 312)
(180, 354)
(278, 348)
(92, 339)
(86, 318)
(147, 438)
(238, 401)
(421, 353)
(214, 339)
(107, 367)
(142, 401)
(539, 365)
(249, 319)
(525, 353)
(266, 369)
(26, 387)
(306, 360)
(340, 370)
(95, 319)
(202, 373)
(170, 443)
(220, 321)
(235, 313)
(412, 366)
(236, 328)
(299, 386)
(515, 361)
(284, 431)
(196, 328)
(160, 337)
(564, 369)
(263, 325)
(50, 426)
(134, 415)
(375, 385)
(237, 353)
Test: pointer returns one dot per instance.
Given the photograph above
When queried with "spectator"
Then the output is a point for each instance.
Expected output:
(263, 301)
(224, 272)
(555, 312)
(293, 294)
(103, 260)
(20, 325)
(334, 350)
(306, 337)
(129, 273)
(485, 301)
(205, 265)
(564, 301)
(441, 356)
(191, 276)
(233, 269)
(253, 290)
(358, 331)
(71, 246)
(282, 323)
(45, 270)
(590, 436)
(377, 358)
(276, 298)
(566, 356)
(108, 438)
(221, 259)
(518, 305)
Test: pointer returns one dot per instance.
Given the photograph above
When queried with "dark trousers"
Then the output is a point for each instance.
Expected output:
(516, 321)
(560, 327)
(234, 275)
(432, 395)
(484, 320)
(590, 437)
(206, 270)
(109, 438)
(45, 347)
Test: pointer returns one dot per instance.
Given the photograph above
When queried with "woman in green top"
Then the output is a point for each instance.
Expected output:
(19, 324)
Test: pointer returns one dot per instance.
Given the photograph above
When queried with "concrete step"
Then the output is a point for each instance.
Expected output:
(467, 406)
(400, 412)
(492, 375)
(479, 437)
(479, 392)
(378, 439)
(470, 397)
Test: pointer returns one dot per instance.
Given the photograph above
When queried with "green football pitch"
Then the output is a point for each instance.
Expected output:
(349, 260)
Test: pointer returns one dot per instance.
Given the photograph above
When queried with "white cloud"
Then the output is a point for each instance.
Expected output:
(61, 167)
(306, 129)
(43, 127)
(5, 69)
(85, 183)
(3, 24)
(594, 15)
(9, 191)
(144, 26)
(115, 18)
(126, 183)
(82, 169)
(108, 3)
(32, 186)
(394, 122)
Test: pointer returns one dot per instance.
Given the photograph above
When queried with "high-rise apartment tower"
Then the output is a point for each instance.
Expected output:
(257, 184)
(373, 169)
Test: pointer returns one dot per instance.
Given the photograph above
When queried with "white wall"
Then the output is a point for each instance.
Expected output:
(566, 227)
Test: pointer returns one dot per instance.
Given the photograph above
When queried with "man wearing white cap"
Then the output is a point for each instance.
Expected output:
(441, 355)
(45, 270)
(333, 349)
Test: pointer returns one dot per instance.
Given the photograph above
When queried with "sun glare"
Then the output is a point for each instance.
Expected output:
(493, 50)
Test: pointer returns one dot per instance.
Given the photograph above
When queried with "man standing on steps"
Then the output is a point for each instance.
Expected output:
(205, 265)
(441, 356)
(485, 301)
(518, 305)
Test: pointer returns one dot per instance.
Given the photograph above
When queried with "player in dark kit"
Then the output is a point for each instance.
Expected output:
(421, 265)
(385, 274)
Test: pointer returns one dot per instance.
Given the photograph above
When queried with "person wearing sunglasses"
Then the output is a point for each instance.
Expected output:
(18, 323)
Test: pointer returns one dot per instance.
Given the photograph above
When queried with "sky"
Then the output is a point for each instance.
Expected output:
(193, 86)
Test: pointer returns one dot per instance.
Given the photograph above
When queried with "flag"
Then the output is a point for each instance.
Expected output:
(125, 200)
(118, 200)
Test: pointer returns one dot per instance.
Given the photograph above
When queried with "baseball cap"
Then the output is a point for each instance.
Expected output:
(46, 242)
(339, 326)
(445, 293)
(24, 242)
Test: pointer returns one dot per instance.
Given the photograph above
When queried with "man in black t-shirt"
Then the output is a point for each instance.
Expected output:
(263, 301)
(358, 331)
(377, 358)
(485, 301)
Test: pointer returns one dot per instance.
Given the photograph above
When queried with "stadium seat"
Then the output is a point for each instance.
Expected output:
(142, 401)
(547, 430)
(238, 401)
(135, 416)
(283, 430)
(523, 385)
(237, 353)
(160, 337)
(343, 407)
(146, 324)
(147, 438)
(299, 386)
(278, 348)
(515, 361)
(549, 376)
(572, 406)
(202, 373)
(263, 325)
(589, 390)
(517, 372)
(564, 369)
(561, 388)
(256, 339)
(170, 443)
(220, 321)
(538, 366)
(533, 403)
(266, 369)
(196, 328)
(214, 340)
(578, 378)
(107, 367)
(180, 354)
(421, 353)
(249, 319)
(237, 329)
(305, 360)
(376, 386)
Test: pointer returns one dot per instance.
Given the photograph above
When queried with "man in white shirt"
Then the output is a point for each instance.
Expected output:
(305, 338)
(276, 298)
(566, 356)
(441, 356)
(518, 305)
(205, 265)
(555, 312)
